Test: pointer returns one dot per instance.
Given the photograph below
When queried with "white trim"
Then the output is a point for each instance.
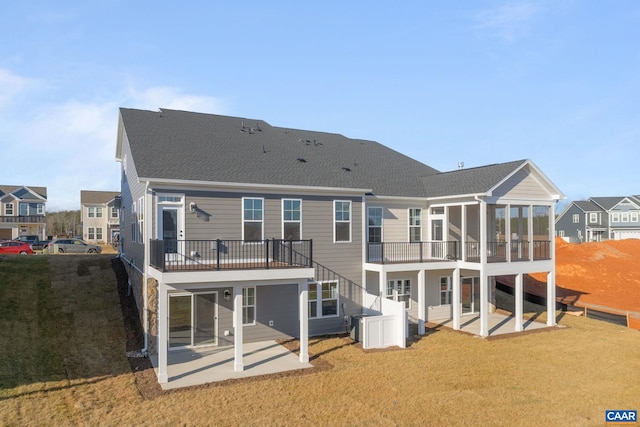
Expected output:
(342, 221)
(192, 295)
(318, 300)
(409, 226)
(254, 305)
(381, 223)
(290, 221)
(262, 215)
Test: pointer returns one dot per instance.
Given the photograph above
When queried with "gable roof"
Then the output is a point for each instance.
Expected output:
(97, 197)
(174, 145)
(24, 192)
(607, 203)
(588, 206)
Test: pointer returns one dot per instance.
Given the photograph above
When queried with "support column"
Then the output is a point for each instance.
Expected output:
(455, 299)
(551, 298)
(484, 305)
(303, 298)
(163, 329)
(518, 300)
(238, 364)
(422, 303)
(383, 283)
(463, 232)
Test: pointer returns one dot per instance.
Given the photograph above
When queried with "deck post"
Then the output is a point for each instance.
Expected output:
(238, 364)
(163, 329)
(303, 297)
(551, 298)
(422, 303)
(518, 297)
(455, 299)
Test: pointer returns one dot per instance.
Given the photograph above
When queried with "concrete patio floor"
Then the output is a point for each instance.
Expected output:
(191, 367)
(499, 324)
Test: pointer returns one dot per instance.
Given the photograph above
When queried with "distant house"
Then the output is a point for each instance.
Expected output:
(236, 231)
(100, 211)
(600, 218)
(22, 211)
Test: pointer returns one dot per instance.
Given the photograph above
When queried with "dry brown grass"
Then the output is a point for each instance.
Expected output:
(562, 377)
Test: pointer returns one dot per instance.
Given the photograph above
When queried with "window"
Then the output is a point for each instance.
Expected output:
(624, 217)
(593, 217)
(323, 299)
(170, 199)
(445, 290)
(342, 221)
(415, 225)
(24, 209)
(291, 219)
(140, 220)
(400, 290)
(576, 218)
(40, 209)
(91, 234)
(560, 233)
(634, 217)
(249, 306)
(615, 217)
(253, 218)
(99, 233)
(114, 212)
(8, 209)
(374, 230)
(134, 224)
(91, 212)
(98, 212)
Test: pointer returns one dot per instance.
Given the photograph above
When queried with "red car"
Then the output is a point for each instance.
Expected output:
(15, 247)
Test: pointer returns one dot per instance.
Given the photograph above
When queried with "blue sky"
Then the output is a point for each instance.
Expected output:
(482, 82)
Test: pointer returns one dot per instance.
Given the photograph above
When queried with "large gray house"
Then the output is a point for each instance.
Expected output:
(235, 231)
(600, 218)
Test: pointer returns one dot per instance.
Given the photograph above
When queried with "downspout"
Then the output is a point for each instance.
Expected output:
(145, 269)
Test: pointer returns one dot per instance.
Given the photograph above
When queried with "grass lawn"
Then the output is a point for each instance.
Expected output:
(63, 362)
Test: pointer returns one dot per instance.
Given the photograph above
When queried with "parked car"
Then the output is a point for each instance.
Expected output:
(33, 240)
(15, 247)
(72, 246)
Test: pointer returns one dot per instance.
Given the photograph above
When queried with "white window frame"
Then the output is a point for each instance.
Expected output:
(8, 209)
(412, 224)
(615, 216)
(40, 209)
(318, 300)
(115, 213)
(560, 233)
(292, 221)
(593, 217)
(91, 233)
(576, 218)
(369, 226)
(98, 212)
(134, 223)
(633, 216)
(342, 221)
(624, 217)
(91, 212)
(246, 305)
(254, 221)
(99, 234)
(20, 209)
(402, 288)
(141, 220)
(447, 291)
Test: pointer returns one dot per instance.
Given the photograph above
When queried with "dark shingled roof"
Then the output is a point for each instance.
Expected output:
(607, 202)
(588, 206)
(180, 145)
(6, 189)
(97, 197)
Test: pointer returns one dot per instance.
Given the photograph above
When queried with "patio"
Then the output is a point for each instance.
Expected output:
(499, 324)
(191, 367)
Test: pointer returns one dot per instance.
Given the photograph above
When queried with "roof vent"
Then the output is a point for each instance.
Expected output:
(301, 160)
(460, 165)
(346, 169)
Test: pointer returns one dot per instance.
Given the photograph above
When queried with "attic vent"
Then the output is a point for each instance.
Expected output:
(346, 169)
(301, 160)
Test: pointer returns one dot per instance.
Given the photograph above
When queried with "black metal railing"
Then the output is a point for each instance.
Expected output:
(180, 255)
(519, 250)
(37, 219)
(541, 249)
(405, 252)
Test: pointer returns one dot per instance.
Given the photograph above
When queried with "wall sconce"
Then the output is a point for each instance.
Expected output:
(227, 295)
(192, 207)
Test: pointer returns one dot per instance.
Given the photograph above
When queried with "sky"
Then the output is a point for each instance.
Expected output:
(479, 82)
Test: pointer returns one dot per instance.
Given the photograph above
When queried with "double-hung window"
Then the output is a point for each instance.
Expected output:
(323, 299)
(114, 212)
(91, 212)
(445, 290)
(342, 221)
(374, 225)
(400, 290)
(99, 233)
(593, 217)
(576, 218)
(8, 209)
(40, 209)
(249, 305)
(615, 216)
(98, 212)
(24, 209)
(415, 225)
(140, 219)
(253, 217)
(291, 219)
(624, 217)
(634, 216)
(91, 233)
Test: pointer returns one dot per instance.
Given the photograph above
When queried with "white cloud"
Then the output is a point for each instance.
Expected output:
(12, 84)
(509, 21)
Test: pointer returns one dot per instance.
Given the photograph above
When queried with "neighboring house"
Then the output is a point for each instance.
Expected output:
(600, 218)
(234, 231)
(22, 211)
(100, 211)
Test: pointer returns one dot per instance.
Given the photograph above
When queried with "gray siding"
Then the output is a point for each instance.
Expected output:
(565, 223)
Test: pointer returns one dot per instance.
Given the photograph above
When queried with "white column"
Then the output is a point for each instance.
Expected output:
(163, 329)
(551, 298)
(463, 232)
(518, 299)
(484, 304)
(383, 283)
(455, 299)
(422, 303)
(238, 364)
(303, 300)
